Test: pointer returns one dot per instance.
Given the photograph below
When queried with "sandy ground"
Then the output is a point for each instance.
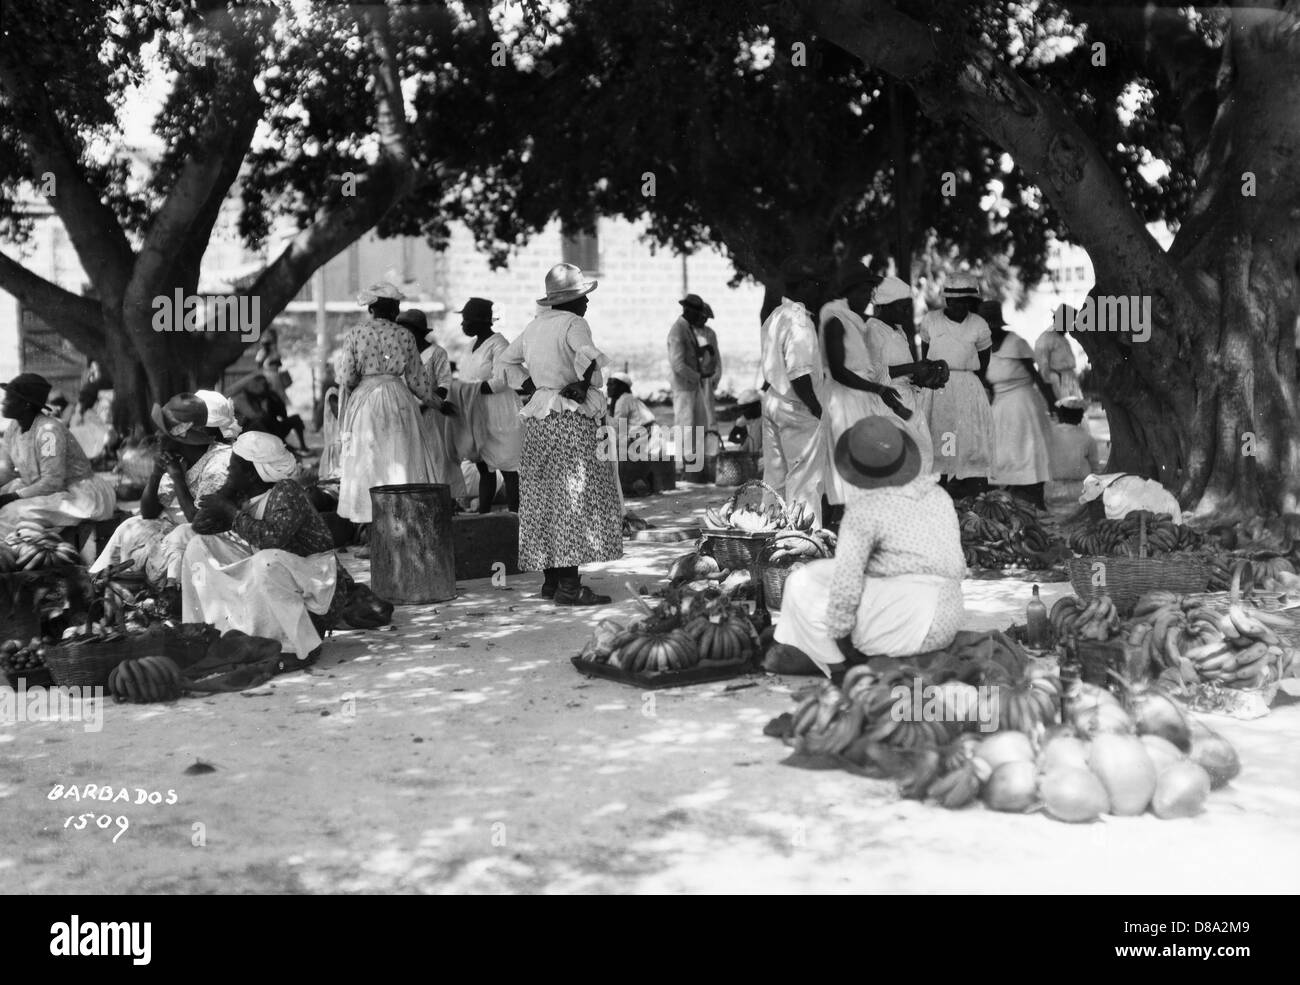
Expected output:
(461, 752)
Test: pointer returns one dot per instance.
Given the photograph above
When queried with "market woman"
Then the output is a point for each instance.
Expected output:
(490, 434)
(272, 572)
(384, 386)
(439, 418)
(1022, 433)
(890, 351)
(570, 508)
(192, 462)
(893, 588)
(44, 475)
(961, 421)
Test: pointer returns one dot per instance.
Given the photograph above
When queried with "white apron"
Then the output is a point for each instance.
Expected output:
(381, 437)
(1020, 424)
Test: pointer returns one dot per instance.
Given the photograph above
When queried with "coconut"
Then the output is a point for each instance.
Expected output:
(1215, 755)
(1013, 786)
(1181, 791)
(1005, 747)
(1073, 794)
(1125, 770)
(1155, 713)
(1163, 753)
(1064, 750)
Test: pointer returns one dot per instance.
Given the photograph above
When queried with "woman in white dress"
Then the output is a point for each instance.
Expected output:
(490, 433)
(1055, 358)
(384, 386)
(193, 462)
(961, 420)
(439, 418)
(1022, 459)
(893, 360)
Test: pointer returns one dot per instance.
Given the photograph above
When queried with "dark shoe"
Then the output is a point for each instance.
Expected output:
(583, 596)
(547, 592)
(782, 658)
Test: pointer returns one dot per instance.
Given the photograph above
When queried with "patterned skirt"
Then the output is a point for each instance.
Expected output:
(570, 511)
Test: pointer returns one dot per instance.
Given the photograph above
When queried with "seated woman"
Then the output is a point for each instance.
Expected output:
(257, 408)
(193, 460)
(264, 561)
(44, 474)
(894, 586)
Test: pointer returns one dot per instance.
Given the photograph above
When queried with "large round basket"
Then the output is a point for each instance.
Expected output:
(87, 664)
(738, 549)
(1242, 592)
(772, 575)
(1126, 579)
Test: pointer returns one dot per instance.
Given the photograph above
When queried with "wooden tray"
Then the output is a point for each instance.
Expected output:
(704, 673)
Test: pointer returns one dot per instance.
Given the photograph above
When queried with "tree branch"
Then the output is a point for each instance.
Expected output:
(76, 318)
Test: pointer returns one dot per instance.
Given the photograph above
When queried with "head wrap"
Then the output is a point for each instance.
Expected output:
(221, 413)
(268, 454)
(889, 290)
(375, 292)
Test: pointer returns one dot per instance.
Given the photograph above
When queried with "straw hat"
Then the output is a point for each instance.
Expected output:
(184, 418)
(876, 453)
(961, 286)
(564, 283)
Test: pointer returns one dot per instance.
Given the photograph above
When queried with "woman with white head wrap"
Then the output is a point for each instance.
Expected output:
(272, 571)
(961, 419)
(193, 460)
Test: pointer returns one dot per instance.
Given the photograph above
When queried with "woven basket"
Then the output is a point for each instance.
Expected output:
(772, 576)
(88, 664)
(736, 549)
(735, 468)
(1276, 602)
(1129, 578)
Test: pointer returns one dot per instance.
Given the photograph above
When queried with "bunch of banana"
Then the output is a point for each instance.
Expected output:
(747, 518)
(1035, 701)
(909, 735)
(35, 546)
(1122, 538)
(640, 652)
(1098, 620)
(145, 679)
(997, 531)
(1246, 656)
(844, 727)
(802, 517)
(792, 549)
(960, 786)
(818, 709)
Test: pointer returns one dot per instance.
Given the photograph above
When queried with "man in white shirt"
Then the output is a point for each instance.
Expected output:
(794, 442)
(685, 373)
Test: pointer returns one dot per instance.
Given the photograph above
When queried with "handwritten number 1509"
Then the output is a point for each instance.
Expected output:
(102, 821)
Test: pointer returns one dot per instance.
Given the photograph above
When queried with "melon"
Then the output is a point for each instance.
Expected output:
(1181, 791)
(1065, 750)
(1155, 713)
(1072, 794)
(1163, 753)
(1012, 787)
(1215, 755)
(1006, 747)
(1125, 770)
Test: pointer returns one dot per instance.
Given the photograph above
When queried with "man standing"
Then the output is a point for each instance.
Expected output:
(794, 442)
(685, 371)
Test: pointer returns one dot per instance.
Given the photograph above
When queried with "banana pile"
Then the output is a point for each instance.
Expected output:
(769, 518)
(792, 549)
(1122, 538)
(962, 775)
(998, 530)
(1190, 644)
(640, 652)
(31, 546)
(145, 679)
(1095, 620)
(1026, 705)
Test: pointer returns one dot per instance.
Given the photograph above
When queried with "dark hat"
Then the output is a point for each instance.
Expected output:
(797, 270)
(876, 453)
(693, 302)
(184, 418)
(417, 321)
(991, 312)
(29, 387)
(856, 274)
(477, 309)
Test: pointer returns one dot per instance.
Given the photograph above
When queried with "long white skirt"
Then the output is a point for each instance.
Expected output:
(267, 593)
(382, 443)
(961, 426)
(1021, 452)
(86, 499)
(897, 617)
(488, 429)
(440, 437)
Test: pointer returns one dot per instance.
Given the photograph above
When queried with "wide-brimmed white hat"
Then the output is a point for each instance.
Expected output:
(375, 292)
(961, 286)
(564, 282)
(889, 290)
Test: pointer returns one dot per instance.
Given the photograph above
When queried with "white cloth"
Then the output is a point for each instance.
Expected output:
(382, 443)
(794, 452)
(221, 413)
(268, 455)
(633, 409)
(329, 456)
(893, 620)
(556, 348)
(790, 349)
(488, 428)
(267, 593)
(1020, 422)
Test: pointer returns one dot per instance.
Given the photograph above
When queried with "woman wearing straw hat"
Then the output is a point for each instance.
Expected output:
(961, 421)
(193, 461)
(570, 508)
(44, 475)
(383, 387)
(488, 432)
(894, 586)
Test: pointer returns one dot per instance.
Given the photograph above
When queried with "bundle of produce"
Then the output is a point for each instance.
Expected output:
(1122, 538)
(1071, 618)
(998, 530)
(18, 658)
(1188, 643)
(31, 546)
(758, 519)
(787, 549)
(146, 679)
(682, 631)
